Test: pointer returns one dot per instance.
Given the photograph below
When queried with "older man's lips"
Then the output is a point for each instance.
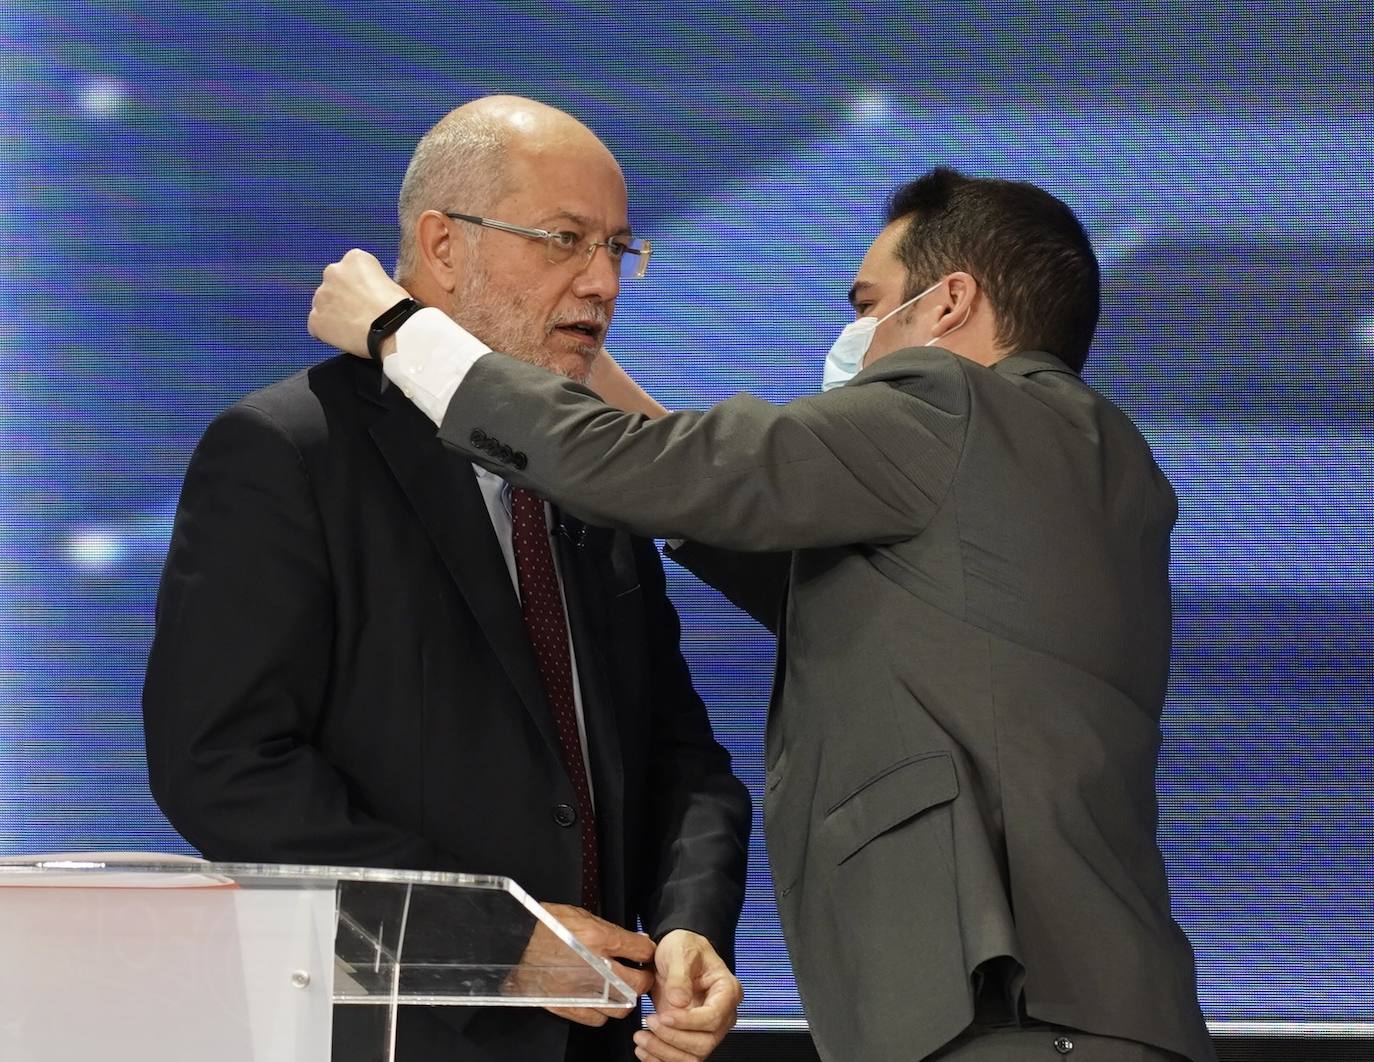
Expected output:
(583, 330)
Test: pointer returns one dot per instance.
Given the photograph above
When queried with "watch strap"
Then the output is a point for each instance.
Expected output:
(388, 322)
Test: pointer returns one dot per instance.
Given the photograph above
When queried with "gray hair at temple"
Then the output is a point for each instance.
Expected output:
(459, 165)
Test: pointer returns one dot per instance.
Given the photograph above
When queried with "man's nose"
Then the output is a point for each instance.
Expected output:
(600, 277)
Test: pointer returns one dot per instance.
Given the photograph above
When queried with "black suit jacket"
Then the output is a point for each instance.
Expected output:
(341, 675)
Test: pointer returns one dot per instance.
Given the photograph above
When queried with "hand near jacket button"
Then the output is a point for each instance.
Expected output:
(696, 1001)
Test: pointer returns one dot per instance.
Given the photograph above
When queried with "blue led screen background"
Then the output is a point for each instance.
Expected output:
(176, 175)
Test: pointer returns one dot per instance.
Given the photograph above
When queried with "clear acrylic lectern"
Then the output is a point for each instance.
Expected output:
(162, 958)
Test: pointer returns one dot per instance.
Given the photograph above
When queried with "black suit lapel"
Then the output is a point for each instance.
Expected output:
(581, 560)
(442, 488)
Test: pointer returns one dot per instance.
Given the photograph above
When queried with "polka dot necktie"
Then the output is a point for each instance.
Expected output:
(542, 606)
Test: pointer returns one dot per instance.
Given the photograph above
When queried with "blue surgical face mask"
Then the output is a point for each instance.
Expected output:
(847, 353)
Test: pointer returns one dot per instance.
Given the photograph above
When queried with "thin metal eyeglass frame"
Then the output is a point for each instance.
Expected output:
(642, 252)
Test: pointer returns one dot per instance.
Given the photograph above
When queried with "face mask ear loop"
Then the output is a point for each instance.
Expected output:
(914, 298)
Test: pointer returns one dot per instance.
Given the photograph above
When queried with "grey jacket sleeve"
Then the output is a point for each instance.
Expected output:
(867, 463)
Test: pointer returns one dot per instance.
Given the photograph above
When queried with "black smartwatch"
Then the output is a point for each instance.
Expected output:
(387, 323)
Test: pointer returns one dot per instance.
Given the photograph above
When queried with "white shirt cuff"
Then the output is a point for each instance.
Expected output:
(433, 354)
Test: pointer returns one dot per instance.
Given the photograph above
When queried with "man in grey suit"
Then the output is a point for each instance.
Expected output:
(965, 560)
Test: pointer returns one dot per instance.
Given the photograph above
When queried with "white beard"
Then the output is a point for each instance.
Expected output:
(505, 325)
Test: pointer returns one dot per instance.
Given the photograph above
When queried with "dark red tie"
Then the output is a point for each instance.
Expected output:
(542, 606)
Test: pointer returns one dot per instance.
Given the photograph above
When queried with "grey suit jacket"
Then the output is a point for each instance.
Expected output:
(969, 584)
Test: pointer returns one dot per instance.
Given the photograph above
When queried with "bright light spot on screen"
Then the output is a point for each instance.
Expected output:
(1123, 243)
(1365, 331)
(103, 97)
(95, 549)
(870, 107)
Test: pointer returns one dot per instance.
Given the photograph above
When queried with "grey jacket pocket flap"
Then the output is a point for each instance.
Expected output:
(888, 799)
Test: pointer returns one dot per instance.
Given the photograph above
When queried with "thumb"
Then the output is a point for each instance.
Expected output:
(677, 981)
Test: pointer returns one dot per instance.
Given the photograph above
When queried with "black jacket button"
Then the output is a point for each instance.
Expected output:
(564, 814)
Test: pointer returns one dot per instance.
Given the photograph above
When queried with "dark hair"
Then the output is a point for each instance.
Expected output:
(1025, 248)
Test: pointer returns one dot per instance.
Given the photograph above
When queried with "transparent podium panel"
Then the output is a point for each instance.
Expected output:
(155, 958)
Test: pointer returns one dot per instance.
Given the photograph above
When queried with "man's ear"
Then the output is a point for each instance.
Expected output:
(444, 257)
(958, 306)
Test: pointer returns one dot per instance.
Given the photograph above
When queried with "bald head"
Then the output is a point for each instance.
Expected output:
(469, 159)
(530, 120)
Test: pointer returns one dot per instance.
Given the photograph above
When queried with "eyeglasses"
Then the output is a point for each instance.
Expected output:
(631, 257)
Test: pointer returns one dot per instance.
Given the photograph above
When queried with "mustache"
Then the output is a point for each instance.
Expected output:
(592, 316)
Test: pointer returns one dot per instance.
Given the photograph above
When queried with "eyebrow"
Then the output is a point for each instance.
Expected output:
(585, 222)
(859, 285)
